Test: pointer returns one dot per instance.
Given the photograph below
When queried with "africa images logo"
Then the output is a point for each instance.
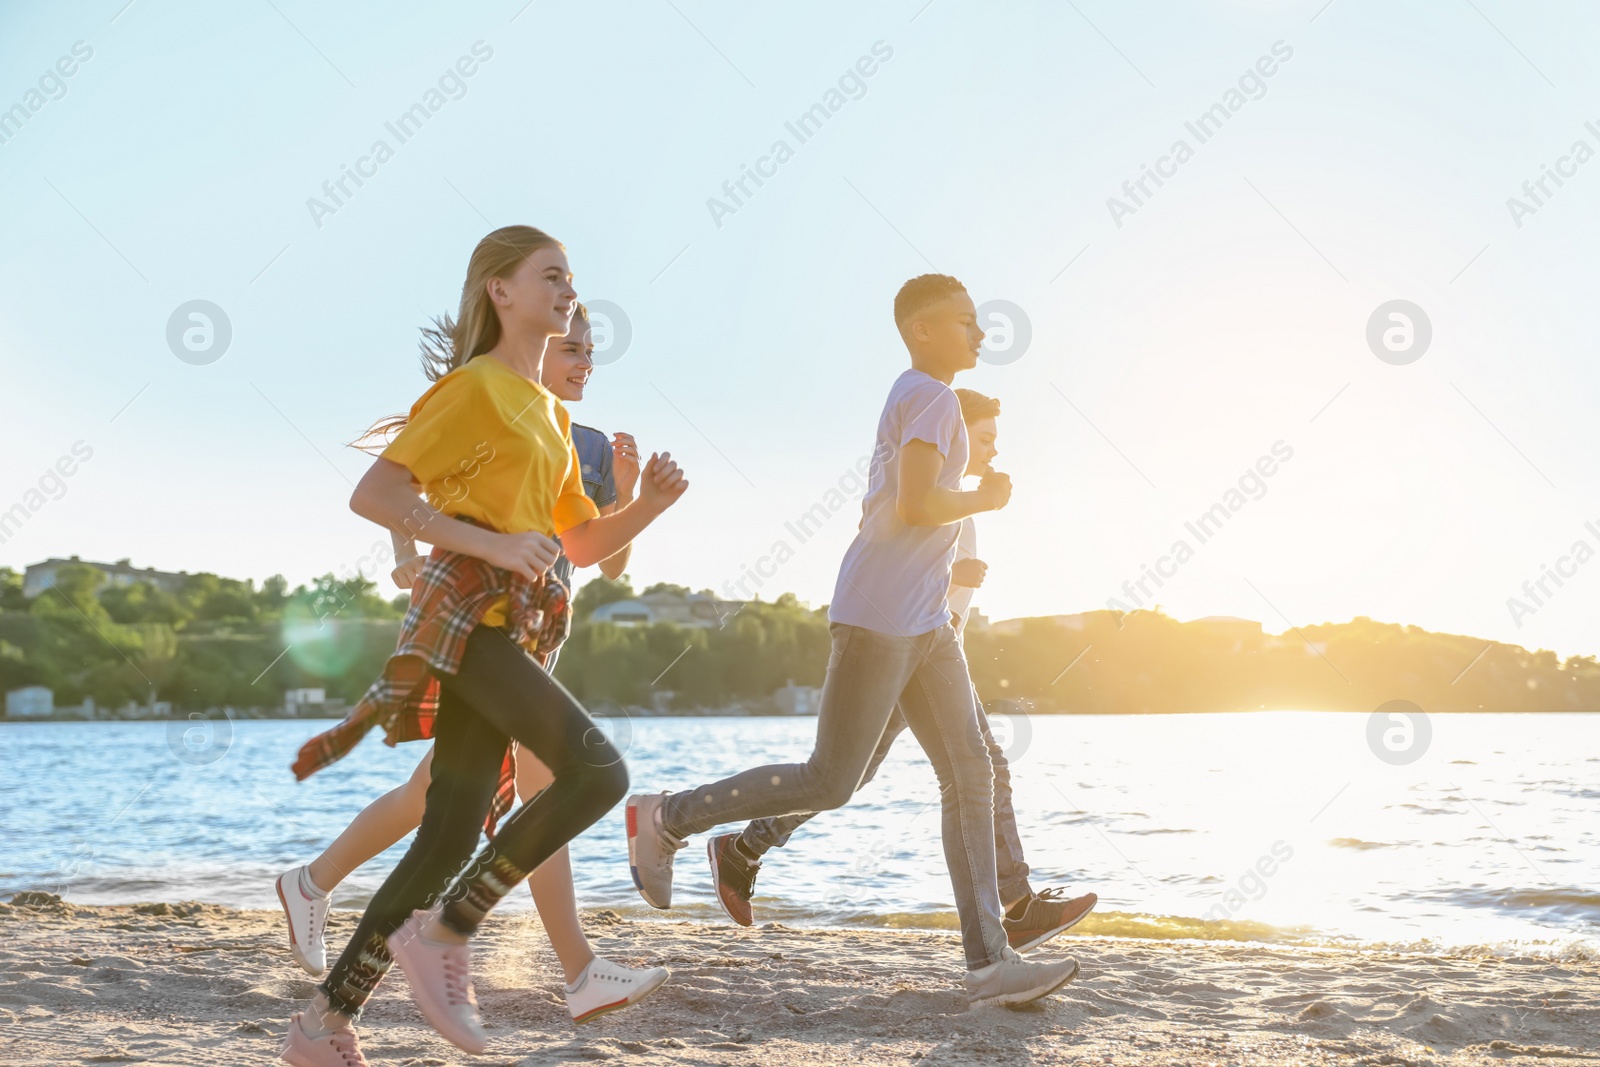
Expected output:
(451, 85)
(1251, 85)
(851, 85)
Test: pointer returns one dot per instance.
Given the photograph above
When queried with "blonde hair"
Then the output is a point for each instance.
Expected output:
(447, 343)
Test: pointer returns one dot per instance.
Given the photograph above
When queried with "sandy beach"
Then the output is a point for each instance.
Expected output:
(202, 984)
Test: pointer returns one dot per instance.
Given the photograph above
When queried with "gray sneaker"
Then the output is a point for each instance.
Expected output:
(651, 850)
(1015, 980)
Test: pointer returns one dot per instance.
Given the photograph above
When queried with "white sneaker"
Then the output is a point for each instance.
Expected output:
(1015, 980)
(605, 986)
(307, 916)
(651, 849)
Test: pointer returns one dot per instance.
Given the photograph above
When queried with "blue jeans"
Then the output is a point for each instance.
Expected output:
(868, 673)
(762, 835)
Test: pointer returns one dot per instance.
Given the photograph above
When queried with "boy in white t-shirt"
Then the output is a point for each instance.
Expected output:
(1031, 918)
(893, 643)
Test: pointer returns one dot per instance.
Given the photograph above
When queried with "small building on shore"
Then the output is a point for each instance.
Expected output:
(693, 609)
(133, 709)
(88, 709)
(30, 702)
(797, 699)
(38, 577)
(305, 703)
(1076, 622)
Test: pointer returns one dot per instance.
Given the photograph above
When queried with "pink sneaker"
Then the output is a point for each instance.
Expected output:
(441, 983)
(336, 1048)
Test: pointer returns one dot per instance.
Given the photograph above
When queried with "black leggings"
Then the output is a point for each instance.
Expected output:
(499, 695)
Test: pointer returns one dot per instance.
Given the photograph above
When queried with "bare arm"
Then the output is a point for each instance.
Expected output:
(602, 538)
(387, 496)
(921, 501)
(615, 564)
(625, 476)
(407, 561)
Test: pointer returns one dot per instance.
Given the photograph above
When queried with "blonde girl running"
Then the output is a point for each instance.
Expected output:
(594, 984)
(462, 669)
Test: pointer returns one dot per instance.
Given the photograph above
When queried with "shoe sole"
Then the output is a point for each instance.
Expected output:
(716, 880)
(627, 1002)
(294, 946)
(1013, 1000)
(633, 856)
(1058, 931)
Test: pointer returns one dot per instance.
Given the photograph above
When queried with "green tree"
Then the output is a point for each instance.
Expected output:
(231, 600)
(346, 599)
(80, 649)
(15, 668)
(752, 653)
(143, 602)
(157, 656)
(195, 589)
(11, 598)
(598, 592)
(274, 591)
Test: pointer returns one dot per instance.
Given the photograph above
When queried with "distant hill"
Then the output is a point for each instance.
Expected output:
(1145, 661)
(217, 641)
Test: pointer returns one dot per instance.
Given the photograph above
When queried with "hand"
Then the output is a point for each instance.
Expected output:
(407, 571)
(528, 554)
(624, 465)
(969, 572)
(994, 491)
(663, 483)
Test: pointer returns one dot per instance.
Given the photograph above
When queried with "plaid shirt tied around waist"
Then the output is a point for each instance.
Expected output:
(447, 604)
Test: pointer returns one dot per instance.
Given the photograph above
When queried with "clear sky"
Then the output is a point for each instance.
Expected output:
(1175, 339)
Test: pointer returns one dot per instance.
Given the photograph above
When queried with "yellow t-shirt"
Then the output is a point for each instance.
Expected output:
(485, 443)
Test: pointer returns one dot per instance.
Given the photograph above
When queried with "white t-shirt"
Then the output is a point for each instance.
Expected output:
(966, 548)
(895, 577)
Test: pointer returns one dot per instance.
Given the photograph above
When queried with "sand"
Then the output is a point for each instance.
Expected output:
(201, 984)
